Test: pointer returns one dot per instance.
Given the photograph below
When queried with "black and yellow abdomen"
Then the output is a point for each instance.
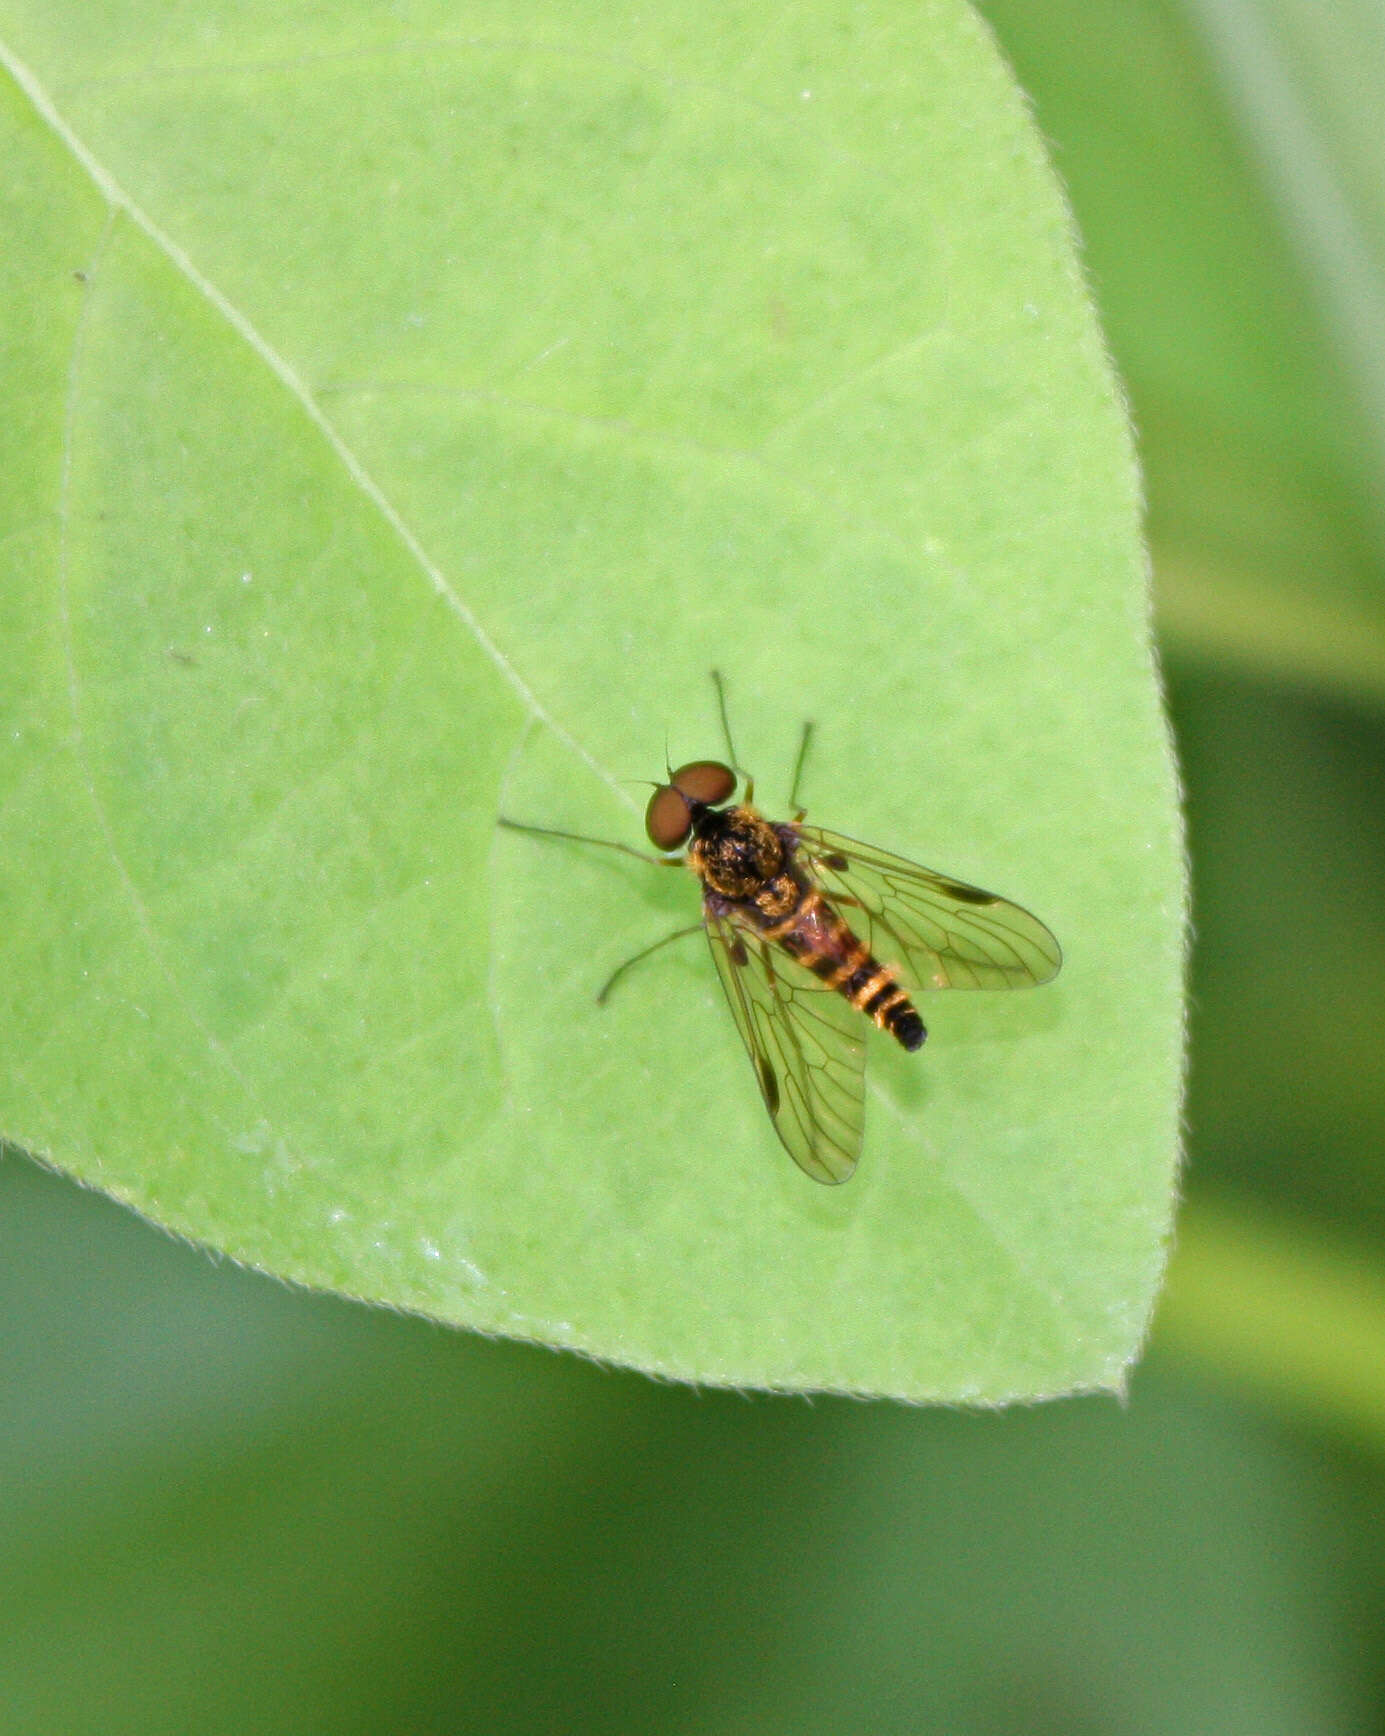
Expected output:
(872, 987)
(824, 943)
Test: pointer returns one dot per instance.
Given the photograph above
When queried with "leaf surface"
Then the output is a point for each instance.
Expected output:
(404, 414)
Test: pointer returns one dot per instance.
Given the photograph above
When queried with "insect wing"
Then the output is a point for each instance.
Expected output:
(940, 932)
(807, 1046)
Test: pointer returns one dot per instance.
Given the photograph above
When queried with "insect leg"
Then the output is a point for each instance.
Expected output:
(582, 838)
(620, 970)
(719, 682)
(798, 812)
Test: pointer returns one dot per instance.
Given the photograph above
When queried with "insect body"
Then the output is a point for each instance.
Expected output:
(752, 875)
(809, 931)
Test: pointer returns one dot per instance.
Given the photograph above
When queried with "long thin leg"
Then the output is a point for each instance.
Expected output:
(620, 970)
(601, 843)
(719, 682)
(798, 812)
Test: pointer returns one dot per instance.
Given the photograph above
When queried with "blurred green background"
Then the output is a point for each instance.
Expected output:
(232, 1507)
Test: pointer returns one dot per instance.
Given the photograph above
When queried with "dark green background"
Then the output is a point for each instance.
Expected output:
(231, 1507)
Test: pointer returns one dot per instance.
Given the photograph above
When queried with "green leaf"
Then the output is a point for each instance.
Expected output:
(435, 406)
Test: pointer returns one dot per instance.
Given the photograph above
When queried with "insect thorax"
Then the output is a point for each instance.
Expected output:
(734, 852)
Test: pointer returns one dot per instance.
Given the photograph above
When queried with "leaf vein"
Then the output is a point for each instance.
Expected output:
(119, 200)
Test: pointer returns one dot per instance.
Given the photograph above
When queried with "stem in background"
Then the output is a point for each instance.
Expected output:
(1292, 1314)
(1287, 143)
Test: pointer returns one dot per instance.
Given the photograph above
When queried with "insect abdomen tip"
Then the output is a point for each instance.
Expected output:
(910, 1030)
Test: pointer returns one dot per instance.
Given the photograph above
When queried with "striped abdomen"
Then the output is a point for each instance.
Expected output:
(820, 940)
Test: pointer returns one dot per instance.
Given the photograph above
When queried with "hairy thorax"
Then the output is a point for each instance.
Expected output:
(737, 853)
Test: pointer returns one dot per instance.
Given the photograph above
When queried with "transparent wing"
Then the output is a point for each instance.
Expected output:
(942, 933)
(807, 1046)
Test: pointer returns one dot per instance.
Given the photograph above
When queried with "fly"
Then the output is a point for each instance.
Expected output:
(809, 931)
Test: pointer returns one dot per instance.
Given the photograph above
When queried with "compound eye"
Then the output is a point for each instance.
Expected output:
(668, 818)
(705, 782)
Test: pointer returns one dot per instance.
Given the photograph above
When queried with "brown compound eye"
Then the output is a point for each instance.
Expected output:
(668, 818)
(705, 782)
